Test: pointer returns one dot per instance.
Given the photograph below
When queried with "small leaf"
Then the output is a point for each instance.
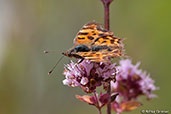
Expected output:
(86, 99)
(130, 105)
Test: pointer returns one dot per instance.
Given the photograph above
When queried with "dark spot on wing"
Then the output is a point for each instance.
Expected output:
(82, 33)
(116, 51)
(90, 37)
(109, 49)
(94, 33)
(111, 41)
(104, 37)
(81, 38)
(104, 42)
(98, 48)
(96, 39)
(101, 34)
(119, 40)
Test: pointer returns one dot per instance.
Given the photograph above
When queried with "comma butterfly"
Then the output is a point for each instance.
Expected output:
(96, 44)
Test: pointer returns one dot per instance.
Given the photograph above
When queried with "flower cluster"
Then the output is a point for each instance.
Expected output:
(88, 75)
(131, 83)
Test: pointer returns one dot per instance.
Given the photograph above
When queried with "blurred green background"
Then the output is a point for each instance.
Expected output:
(27, 27)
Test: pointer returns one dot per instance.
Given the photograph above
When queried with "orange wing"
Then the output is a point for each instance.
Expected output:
(89, 33)
(108, 40)
(102, 44)
(101, 56)
(107, 47)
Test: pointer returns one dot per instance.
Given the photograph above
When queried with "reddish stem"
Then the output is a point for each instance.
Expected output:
(98, 105)
(106, 4)
(109, 104)
(106, 17)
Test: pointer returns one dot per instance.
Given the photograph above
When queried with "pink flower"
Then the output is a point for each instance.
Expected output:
(88, 75)
(131, 82)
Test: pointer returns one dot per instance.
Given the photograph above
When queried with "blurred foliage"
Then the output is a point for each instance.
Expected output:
(37, 25)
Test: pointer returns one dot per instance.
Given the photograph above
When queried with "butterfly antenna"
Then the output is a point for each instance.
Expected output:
(49, 51)
(55, 66)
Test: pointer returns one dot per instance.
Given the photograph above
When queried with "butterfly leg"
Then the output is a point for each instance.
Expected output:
(81, 60)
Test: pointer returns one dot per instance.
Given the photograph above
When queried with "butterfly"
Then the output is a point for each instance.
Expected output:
(96, 44)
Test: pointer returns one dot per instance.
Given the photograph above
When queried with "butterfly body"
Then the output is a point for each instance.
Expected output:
(82, 48)
(96, 44)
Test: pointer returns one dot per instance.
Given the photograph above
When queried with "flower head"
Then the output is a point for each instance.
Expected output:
(88, 75)
(131, 82)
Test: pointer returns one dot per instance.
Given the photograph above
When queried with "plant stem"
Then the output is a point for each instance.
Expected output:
(106, 4)
(98, 105)
(106, 16)
(109, 104)
(100, 112)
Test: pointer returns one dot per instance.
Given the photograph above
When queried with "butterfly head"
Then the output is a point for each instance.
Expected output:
(74, 51)
(67, 53)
